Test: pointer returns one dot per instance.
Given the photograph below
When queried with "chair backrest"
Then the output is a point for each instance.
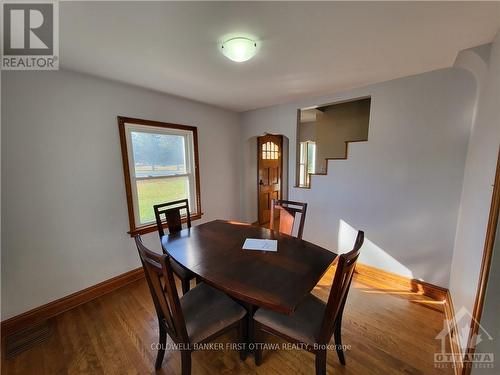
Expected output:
(288, 211)
(340, 289)
(160, 279)
(172, 216)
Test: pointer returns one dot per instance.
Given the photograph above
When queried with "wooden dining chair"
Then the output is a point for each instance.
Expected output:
(313, 323)
(172, 219)
(288, 211)
(197, 317)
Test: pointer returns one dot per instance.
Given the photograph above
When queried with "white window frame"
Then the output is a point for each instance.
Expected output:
(188, 157)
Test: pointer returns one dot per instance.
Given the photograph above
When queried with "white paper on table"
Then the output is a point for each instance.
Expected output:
(259, 244)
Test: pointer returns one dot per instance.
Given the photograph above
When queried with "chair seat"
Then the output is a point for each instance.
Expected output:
(303, 324)
(181, 271)
(207, 311)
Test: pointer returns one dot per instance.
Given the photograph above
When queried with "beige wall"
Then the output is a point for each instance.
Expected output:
(338, 124)
(307, 131)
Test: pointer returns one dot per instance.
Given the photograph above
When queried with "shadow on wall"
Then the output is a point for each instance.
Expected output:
(371, 254)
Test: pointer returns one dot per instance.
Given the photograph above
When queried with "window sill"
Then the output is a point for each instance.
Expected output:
(153, 228)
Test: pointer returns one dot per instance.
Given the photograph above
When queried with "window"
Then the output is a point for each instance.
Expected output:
(307, 163)
(270, 151)
(160, 163)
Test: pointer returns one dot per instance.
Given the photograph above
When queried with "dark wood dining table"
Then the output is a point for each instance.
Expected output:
(274, 280)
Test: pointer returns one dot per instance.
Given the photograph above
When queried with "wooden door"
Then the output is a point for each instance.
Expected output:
(269, 154)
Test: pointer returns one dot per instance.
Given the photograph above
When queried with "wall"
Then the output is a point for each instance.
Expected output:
(338, 124)
(307, 131)
(402, 186)
(484, 63)
(63, 190)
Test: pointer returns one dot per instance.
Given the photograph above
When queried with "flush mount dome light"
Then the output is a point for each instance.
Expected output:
(239, 49)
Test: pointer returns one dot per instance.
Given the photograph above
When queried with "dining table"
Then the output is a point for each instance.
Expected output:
(276, 280)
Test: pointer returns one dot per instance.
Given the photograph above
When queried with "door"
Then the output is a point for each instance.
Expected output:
(269, 154)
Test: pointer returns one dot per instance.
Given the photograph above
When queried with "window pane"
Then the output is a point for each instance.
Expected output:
(302, 175)
(303, 152)
(159, 190)
(311, 157)
(158, 154)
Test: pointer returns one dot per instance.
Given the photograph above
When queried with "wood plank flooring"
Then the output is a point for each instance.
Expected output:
(390, 331)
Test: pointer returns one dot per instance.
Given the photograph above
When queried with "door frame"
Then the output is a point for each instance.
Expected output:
(485, 265)
(257, 176)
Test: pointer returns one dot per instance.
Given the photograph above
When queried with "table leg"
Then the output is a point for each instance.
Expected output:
(250, 334)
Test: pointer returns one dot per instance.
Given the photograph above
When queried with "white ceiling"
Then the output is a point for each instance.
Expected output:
(306, 48)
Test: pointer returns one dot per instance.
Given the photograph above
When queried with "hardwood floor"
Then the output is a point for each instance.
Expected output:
(390, 331)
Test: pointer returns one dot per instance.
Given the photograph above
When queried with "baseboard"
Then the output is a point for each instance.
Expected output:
(389, 279)
(51, 309)
(456, 348)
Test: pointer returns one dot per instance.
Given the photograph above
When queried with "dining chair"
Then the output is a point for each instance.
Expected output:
(288, 211)
(314, 322)
(173, 221)
(199, 316)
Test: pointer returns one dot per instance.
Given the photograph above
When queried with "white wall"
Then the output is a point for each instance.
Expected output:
(63, 196)
(402, 186)
(478, 177)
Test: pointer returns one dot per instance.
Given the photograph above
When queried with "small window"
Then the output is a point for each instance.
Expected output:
(160, 164)
(270, 151)
(307, 164)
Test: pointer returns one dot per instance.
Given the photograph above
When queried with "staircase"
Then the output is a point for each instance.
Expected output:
(325, 133)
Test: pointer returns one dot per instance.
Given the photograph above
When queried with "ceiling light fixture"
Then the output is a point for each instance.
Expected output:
(239, 49)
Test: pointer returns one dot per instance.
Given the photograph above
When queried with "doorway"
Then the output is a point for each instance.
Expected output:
(269, 173)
